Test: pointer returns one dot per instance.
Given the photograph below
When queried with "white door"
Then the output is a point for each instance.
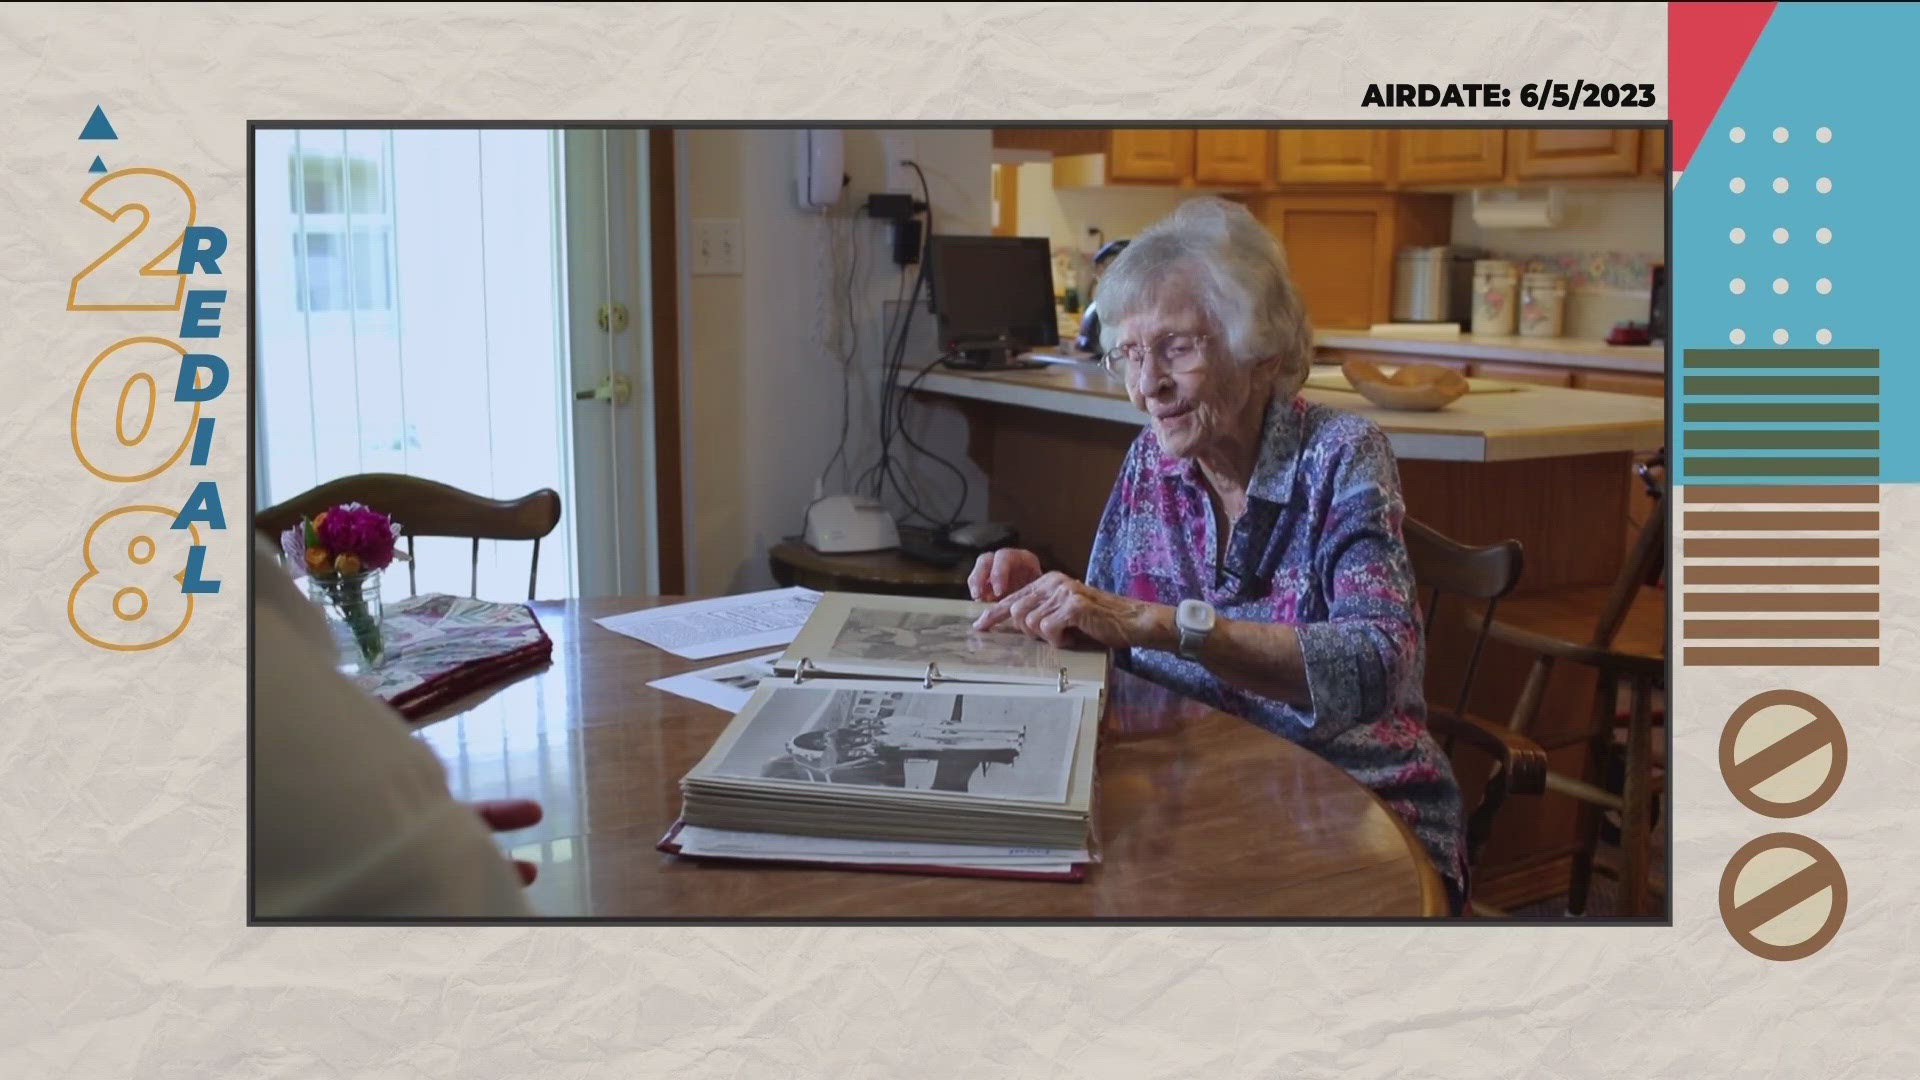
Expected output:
(611, 393)
(427, 304)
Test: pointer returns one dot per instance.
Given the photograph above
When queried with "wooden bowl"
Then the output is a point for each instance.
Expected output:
(1412, 388)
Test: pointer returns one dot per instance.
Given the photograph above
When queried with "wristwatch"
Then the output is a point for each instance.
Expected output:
(1194, 619)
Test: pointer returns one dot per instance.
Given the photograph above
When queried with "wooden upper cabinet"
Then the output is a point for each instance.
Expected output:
(1333, 250)
(1161, 156)
(1452, 156)
(1051, 140)
(1223, 158)
(1333, 157)
(1653, 152)
(1340, 247)
(1557, 153)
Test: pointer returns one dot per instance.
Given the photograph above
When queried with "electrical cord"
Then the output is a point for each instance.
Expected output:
(886, 470)
(894, 471)
(965, 488)
(843, 242)
(875, 473)
(850, 350)
(894, 420)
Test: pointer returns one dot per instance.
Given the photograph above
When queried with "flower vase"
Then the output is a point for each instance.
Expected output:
(352, 604)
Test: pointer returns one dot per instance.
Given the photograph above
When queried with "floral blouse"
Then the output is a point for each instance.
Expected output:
(1319, 547)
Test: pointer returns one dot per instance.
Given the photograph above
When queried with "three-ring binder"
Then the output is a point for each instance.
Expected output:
(932, 675)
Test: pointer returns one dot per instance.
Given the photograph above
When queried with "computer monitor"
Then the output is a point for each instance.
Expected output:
(988, 287)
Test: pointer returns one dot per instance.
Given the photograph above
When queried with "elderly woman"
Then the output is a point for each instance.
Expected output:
(1250, 555)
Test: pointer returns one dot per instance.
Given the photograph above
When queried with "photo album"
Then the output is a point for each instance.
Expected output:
(890, 720)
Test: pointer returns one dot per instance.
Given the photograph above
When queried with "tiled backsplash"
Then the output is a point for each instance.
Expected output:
(1604, 288)
(1617, 270)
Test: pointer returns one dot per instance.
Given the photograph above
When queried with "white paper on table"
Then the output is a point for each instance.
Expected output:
(696, 840)
(727, 686)
(703, 629)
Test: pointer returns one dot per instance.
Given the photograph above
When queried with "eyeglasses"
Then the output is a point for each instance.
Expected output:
(1178, 353)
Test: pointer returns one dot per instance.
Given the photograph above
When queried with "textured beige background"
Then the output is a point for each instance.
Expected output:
(122, 949)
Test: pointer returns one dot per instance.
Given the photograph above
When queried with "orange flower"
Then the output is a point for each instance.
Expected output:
(317, 558)
(347, 563)
(318, 518)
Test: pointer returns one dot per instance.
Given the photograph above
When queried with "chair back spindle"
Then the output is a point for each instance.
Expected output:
(427, 508)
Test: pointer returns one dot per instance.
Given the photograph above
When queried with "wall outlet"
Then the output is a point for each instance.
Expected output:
(898, 147)
(717, 247)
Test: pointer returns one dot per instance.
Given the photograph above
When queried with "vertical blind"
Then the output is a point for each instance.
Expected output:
(409, 313)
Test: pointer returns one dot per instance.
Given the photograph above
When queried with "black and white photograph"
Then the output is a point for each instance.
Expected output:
(992, 745)
(919, 637)
(725, 686)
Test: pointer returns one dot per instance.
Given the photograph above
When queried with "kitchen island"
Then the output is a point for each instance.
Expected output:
(1570, 353)
(1549, 466)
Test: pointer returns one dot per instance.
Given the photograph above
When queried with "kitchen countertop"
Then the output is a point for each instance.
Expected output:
(1510, 422)
(1557, 352)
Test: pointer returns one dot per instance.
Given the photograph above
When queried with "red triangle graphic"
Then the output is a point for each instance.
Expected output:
(1707, 44)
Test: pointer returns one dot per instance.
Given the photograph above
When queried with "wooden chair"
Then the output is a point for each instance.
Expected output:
(1643, 674)
(1443, 567)
(426, 508)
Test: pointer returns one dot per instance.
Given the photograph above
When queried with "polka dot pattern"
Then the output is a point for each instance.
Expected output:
(1768, 267)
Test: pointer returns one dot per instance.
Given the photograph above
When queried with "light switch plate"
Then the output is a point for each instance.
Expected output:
(898, 147)
(717, 247)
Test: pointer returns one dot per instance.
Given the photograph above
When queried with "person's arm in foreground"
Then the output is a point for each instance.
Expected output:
(352, 816)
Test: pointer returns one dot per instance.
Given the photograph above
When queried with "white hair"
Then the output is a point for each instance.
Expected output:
(1237, 272)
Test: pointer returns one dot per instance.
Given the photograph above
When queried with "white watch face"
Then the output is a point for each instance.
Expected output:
(1194, 616)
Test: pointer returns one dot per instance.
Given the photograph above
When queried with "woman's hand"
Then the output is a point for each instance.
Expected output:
(1058, 610)
(999, 574)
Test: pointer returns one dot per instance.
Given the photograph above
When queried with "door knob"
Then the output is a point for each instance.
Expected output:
(615, 388)
(612, 317)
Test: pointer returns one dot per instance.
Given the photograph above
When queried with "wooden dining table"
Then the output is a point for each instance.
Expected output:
(1199, 814)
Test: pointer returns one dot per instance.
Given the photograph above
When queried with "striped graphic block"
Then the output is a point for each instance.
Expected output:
(1780, 535)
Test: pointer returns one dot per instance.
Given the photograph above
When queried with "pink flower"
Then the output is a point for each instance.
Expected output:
(356, 530)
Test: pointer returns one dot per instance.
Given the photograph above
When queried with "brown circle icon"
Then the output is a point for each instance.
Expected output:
(1783, 754)
(1782, 897)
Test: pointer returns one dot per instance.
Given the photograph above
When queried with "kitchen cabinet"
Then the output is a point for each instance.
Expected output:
(1565, 153)
(1653, 153)
(1334, 157)
(1525, 373)
(1160, 156)
(1340, 247)
(1640, 502)
(1051, 140)
(1429, 156)
(1308, 160)
(1621, 382)
(1331, 359)
(1229, 158)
